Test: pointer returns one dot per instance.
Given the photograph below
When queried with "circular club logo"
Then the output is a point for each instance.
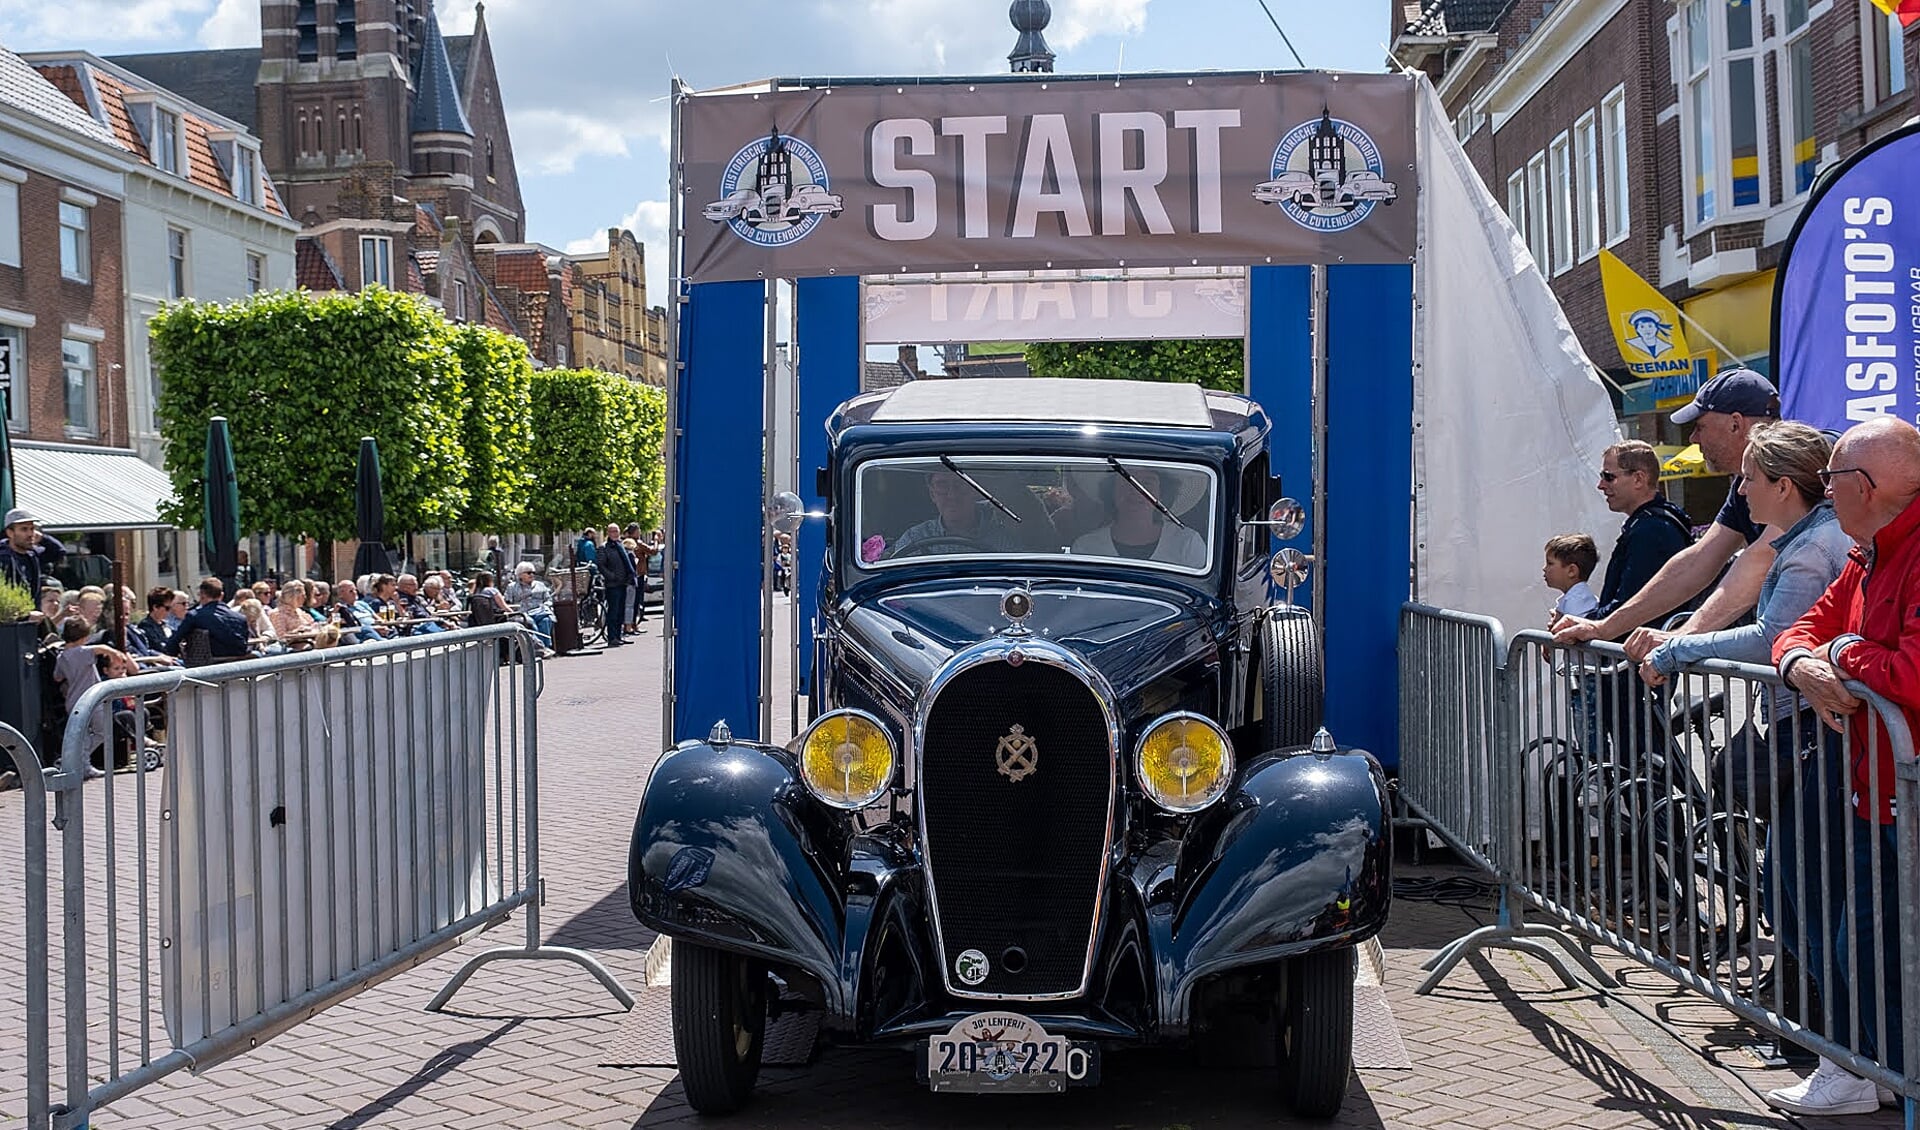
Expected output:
(774, 192)
(1327, 175)
(972, 967)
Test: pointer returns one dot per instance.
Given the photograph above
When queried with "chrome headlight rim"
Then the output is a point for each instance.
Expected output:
(885, 784)
(1171, 804)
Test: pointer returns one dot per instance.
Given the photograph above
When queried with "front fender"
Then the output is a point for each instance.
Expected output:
(729, 850)
(1298, 858)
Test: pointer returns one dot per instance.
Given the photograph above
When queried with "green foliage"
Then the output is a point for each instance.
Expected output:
(300, 378)
(1219, 365)
(597, 444)
(497, 428)
(15, 603)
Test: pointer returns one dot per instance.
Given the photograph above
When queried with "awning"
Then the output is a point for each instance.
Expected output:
(71, 487)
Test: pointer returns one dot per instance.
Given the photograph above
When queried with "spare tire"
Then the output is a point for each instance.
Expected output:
(1292, 687)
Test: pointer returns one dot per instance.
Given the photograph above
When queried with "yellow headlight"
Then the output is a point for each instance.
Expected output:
(847, 759)
(1185, 763)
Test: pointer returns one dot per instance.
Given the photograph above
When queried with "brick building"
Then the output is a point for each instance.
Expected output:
(388, 140)
(63, 208)
(1681, 136)
(614, 328)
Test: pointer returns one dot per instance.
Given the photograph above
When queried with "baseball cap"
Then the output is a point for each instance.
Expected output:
(18, 515)
(1736, 390)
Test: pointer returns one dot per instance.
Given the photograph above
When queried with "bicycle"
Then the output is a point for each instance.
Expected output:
(591, 609)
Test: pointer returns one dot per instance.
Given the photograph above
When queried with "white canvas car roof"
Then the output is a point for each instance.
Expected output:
(1053, 400)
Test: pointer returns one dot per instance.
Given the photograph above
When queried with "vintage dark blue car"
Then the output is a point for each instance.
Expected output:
(1065, 786)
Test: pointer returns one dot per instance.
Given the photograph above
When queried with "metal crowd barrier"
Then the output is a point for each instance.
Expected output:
(284, 834)
(1704, 828)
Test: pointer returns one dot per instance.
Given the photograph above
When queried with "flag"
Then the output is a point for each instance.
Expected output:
(1846, 314)
(1907, 10)
(1646, 326)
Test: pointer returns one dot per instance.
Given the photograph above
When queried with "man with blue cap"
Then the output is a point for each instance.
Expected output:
(27, 553)
(1722, 413)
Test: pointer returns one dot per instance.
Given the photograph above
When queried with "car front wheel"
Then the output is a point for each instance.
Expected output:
(719, 1025)
(1291, 684)
(1315, 1036)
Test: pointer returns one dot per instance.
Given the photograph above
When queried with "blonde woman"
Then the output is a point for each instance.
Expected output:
(266, 641)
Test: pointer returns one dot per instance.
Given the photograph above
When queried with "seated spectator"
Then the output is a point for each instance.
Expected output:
(356, 616)
(449, 592)
(93, 603)
(264, 592)
(293, 626)
(263, 639)
(1571, 559)
(434, 592)
(69, 610)
(177, 611)
(381, 596)
(154, 625)
(414, 607)
(534, 599)
(226, 630)
(486, 597)
(80, 667)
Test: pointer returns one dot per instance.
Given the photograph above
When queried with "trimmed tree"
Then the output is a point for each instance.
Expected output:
(497, 429)
(587, 449)
(1219, 365)
(301, 377)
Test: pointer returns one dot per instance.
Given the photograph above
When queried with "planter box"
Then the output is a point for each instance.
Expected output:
(21, 681)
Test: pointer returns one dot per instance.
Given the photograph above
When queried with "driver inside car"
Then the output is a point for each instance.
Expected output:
(960, 513)
(1139, 531)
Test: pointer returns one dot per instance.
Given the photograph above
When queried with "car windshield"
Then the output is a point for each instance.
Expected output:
(1135, 511)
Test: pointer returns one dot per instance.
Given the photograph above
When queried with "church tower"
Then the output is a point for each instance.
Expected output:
(337, 95)
(442, 138)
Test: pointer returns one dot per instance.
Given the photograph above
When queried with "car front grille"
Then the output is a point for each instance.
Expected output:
(1016, 864)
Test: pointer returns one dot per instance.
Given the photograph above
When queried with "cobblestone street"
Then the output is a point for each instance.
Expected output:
(1499, 1044)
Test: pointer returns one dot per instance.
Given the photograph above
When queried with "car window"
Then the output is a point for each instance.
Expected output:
(961, 506)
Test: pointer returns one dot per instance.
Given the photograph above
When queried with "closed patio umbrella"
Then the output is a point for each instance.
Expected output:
(220, 505)
(6, 471)
(369, 513)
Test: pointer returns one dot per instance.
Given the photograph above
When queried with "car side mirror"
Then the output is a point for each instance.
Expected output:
(786, 513)
(1286, 518)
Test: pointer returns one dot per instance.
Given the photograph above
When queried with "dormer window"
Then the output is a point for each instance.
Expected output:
(238, 156)
(166, 141)
(246, 175)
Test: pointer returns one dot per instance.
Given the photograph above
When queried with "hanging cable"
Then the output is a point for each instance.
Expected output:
(1298, 61)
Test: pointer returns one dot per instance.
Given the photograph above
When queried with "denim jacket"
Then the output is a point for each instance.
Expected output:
(1811, 555)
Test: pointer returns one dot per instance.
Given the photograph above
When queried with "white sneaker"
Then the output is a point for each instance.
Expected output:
(1831, 1089)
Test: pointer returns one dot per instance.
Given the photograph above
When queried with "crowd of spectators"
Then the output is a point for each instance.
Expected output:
(1812, 565)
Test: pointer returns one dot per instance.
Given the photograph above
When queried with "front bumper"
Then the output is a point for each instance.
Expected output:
(730, 851)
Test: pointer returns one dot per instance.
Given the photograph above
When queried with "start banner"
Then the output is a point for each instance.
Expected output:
(1048, 173)
(1846, 306)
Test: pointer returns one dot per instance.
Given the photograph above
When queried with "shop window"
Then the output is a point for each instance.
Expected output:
(1613, 116)
(1586, 169)
(82, 387)
(76, 251)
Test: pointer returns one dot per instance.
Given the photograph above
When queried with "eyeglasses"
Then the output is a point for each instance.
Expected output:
(1826, 476)
(1611, 476)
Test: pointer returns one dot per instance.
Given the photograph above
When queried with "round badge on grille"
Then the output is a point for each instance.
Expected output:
(971, 966)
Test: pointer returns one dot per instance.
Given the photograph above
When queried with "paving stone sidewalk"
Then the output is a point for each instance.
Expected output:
(1499, 1044)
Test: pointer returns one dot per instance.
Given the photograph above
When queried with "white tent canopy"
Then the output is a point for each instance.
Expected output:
(1510, 417)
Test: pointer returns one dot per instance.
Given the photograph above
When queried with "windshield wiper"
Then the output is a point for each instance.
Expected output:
(947, 462)
(1144, 492)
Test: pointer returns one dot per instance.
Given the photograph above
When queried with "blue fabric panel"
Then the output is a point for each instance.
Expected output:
(1369, 499)
(830, 365)
(1280, 378)
(718, 524)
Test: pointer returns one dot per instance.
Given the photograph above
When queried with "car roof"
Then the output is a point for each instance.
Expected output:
(1048, 400)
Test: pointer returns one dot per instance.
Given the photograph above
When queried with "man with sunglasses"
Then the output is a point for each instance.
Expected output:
(1865, 627)
(1722, 413)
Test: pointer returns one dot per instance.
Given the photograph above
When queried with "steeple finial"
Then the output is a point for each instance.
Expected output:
(1031, 55)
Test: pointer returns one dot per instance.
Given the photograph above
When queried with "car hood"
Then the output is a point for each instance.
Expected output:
(1132, 635)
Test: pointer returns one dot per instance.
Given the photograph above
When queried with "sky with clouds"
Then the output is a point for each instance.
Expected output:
(585, 81)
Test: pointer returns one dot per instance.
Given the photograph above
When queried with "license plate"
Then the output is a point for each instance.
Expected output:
(1009, 1053)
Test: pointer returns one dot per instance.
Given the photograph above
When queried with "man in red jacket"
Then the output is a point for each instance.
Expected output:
(1866, 627)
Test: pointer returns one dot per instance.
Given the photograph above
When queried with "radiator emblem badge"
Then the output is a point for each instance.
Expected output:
(972, 966)
(1017, 755)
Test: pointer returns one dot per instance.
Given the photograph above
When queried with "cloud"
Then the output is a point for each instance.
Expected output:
(553, 141)
(97, 25)
(234, 23)
(648, 222)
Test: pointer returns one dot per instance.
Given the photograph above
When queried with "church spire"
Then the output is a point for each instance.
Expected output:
(1031, 54)
(436, 97)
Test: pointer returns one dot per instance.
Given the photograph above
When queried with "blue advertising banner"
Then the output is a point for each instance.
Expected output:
(1846, 305)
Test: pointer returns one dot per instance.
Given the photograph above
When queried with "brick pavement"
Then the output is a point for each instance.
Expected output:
(1499, 1044)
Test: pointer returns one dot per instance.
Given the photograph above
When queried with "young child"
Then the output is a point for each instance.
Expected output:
(1571, 559)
